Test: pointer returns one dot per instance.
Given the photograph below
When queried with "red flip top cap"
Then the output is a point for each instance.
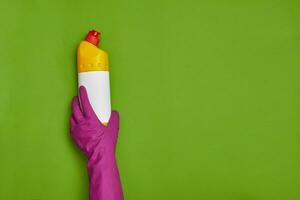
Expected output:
(93, 37)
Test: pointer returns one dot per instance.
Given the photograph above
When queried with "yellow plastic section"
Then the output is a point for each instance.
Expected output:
(105, 123)
(91, 58)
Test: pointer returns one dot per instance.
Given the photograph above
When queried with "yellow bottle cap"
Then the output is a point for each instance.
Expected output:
(91, 58)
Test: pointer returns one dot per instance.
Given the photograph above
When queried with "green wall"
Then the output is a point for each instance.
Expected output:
(208, 93)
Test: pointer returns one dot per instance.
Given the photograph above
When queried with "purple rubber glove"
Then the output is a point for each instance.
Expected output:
(98, 142)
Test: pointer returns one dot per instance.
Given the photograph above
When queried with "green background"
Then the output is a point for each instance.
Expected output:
(208, 93)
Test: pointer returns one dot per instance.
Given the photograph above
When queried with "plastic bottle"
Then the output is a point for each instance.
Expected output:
(93, 73)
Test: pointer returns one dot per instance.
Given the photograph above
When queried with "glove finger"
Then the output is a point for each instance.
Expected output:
(72, 121)
(85, 103)
(77, 114)
(114, 120)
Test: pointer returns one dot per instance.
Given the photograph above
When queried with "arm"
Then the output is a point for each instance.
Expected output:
(98, 142)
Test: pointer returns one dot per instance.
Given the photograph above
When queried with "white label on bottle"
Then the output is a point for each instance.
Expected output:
(98, 89)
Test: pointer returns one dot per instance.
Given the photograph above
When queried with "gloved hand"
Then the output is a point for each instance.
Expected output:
(98, 142)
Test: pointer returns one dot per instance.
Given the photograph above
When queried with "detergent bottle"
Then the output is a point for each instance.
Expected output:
(93, 74)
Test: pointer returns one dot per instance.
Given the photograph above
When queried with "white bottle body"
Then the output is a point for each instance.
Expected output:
(98, 89)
